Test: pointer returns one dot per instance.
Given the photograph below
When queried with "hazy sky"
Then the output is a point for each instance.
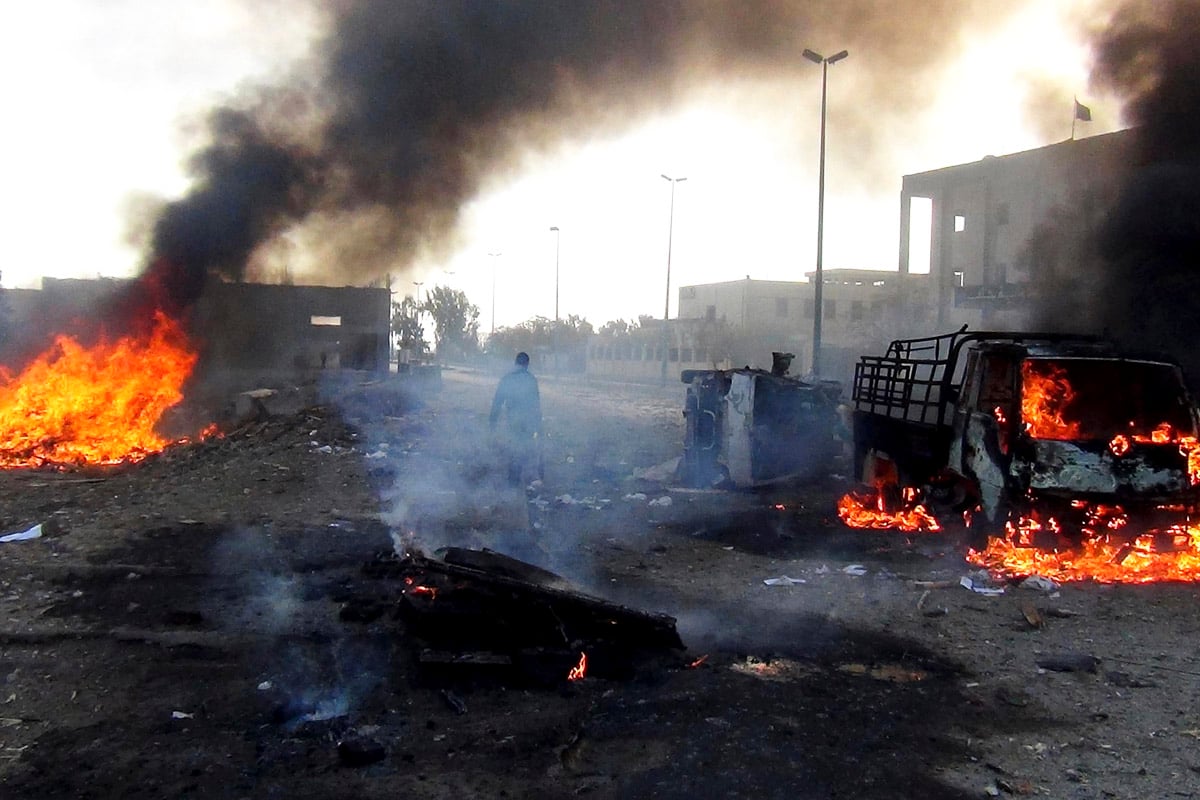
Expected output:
(103, 102)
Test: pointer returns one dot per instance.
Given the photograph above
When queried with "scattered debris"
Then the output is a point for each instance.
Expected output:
(480, 610)
(453, 701)
(1039, 583)
(1032, 615)
(33, 533)
(1070, 662)
(777, 670)
(659, 473)
(1124, 680)
(892, 673)
(1061, 613)
(662, 502)
(980, 585)
(855, 569)
(784, 581)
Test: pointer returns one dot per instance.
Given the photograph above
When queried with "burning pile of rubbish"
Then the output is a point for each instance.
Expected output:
(76, 405)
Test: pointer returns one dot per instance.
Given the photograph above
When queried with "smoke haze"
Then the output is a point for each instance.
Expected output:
(405, 111)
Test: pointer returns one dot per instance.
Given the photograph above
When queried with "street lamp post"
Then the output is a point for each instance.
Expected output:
(667, 302)
(817, 58)
(419, 284)
(557, 242)
(494, 255)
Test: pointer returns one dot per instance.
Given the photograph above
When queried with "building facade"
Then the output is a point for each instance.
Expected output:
(1006, 229)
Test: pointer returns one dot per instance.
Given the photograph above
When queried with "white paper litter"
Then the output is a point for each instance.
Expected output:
(33, 533)
(979, 588)
(783, 581)
(855, 569)
(661, 502)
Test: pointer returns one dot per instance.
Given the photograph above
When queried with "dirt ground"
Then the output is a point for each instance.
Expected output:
(180, 628)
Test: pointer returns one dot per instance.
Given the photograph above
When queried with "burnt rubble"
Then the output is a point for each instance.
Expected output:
(480, 614)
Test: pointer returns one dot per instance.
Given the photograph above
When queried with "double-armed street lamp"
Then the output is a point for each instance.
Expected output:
(817, 58)
(667, 302)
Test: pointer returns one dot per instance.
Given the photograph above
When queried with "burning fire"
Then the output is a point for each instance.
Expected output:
(415, 588)
(1103, 554)
(77, 406)
(1045, 395)
(579, 671)
(1189, 446)
(868, 508)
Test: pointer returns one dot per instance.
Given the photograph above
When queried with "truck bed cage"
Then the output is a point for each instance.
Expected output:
(916, 379)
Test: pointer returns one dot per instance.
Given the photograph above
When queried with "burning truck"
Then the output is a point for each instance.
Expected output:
(1068, 442)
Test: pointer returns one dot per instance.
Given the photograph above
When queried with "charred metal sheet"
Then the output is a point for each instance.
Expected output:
(1150, 471)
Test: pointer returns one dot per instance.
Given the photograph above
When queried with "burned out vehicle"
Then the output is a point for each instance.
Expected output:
(748, 427)
(998, 421)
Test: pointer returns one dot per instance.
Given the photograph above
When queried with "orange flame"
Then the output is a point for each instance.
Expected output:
(1045, 395)
(868, 508)
(579, 671)
(76, 406)
(1103, 555)
(415, 588)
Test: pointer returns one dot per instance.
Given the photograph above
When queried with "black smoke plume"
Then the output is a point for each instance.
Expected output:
(1150, 244)
(406, 109)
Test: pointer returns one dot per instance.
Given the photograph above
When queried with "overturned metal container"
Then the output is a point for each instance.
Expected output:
(748, 427)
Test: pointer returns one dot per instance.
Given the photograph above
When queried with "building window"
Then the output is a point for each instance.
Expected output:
(830, 309)
(960, 278)
(687, 355)
(710, 313)
(1002, 214)
(781, 307)
(809, 305)
(856, 310)
(673, 356)
(960, 223)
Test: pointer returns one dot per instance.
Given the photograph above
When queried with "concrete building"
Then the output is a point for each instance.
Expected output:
(252, 329)
(999, 232)
(862, 309)
(1003, 228)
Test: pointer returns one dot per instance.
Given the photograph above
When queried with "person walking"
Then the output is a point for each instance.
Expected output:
(517, 399)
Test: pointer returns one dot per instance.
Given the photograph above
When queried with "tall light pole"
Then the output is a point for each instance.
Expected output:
(419, 284)
(817, 58)
(667, 302)
(557, 241)
(494, 254)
